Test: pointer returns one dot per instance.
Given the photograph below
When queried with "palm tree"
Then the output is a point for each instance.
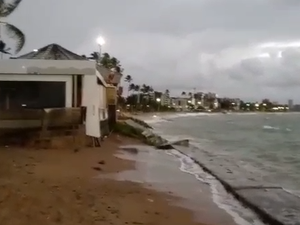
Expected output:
(145, 89)
(128, 79)
(110, 62)
(94, 56)
(115, 63)
(131, 87)
(145, 94)
(167, 91)
(137, 89)
(13, 32)
(183, 93)
(151, 89)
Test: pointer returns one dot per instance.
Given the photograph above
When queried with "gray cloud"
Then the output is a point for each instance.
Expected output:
(179, 44)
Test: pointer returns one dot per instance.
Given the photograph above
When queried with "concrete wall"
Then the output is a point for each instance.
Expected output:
(62, 117)
(26, 119)
(60, 78)
(23, 114)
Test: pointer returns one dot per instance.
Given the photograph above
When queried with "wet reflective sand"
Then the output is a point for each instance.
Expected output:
(157, 170)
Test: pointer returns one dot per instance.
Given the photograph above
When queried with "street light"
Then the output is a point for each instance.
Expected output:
(100, 42)
(158, 100)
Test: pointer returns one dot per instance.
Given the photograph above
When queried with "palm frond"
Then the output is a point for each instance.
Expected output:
(15, 33)
(7, 8)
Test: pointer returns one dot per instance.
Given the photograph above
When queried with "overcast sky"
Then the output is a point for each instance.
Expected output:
(237, 48)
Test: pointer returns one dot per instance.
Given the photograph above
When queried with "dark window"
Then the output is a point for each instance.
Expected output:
(32, 94)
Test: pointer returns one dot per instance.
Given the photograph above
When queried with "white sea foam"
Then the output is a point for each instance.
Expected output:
(158, 118)
(270, 128)
(267, 127)
(293, 192)
(225, 201)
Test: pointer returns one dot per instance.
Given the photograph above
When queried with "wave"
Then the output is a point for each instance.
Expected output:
(273, 128)
(158, 118)
(267, 127)
(293, 192)
(155, 119)
(220, 196)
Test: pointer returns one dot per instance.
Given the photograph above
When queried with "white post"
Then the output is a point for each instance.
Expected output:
(0, 40)
(100, 52)
(75, 91)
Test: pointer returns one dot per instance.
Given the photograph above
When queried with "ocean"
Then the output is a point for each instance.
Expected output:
(267, 144)
(259, 147)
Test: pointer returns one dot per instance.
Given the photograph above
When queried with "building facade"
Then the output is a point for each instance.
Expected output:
(290, 104)
(180, 104)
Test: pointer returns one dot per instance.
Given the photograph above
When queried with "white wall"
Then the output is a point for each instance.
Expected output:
(103, 105)
(59, 78)
(91, 98)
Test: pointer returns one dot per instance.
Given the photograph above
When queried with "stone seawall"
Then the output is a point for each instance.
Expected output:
(270, 202)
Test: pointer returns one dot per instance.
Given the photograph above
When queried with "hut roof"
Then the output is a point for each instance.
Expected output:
(52, 52)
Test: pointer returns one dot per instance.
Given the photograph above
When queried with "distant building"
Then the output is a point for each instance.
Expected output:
(290, 104)
(155, 95)
(180, 104)
(296, 108)
(165, 99)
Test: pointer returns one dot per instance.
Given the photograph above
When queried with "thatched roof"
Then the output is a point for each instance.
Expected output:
(52, 52)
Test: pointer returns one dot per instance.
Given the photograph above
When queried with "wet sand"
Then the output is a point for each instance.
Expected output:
(59, 186)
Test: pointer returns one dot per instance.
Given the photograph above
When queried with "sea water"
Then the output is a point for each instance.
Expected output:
(264, 144)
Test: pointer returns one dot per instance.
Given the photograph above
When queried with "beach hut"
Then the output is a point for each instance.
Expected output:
(49, 77)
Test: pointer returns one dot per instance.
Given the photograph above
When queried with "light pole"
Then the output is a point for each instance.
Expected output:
(100, 42)
(158, 100)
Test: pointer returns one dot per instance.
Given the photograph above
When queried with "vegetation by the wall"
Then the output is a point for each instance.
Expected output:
(141, 122)
(128, 131)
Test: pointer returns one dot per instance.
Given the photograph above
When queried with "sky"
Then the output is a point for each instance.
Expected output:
(248, 49)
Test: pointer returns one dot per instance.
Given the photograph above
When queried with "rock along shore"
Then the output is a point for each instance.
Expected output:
(272, 203)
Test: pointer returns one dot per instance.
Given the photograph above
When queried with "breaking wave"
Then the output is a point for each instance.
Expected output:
(224, 200)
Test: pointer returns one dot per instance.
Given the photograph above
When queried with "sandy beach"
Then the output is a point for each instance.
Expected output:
(58, 186)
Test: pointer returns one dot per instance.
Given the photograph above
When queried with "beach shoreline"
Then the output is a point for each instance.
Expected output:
(266, 201)
(58, 186)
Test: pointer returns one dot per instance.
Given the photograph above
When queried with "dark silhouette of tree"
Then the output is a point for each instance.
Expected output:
(13, 32)
(94, 56)
(131, 87)
(128, 79)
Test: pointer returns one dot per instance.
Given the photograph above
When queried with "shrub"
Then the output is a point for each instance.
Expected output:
(129, 131)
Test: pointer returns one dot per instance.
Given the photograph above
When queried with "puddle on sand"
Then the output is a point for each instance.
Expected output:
(162, 172)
